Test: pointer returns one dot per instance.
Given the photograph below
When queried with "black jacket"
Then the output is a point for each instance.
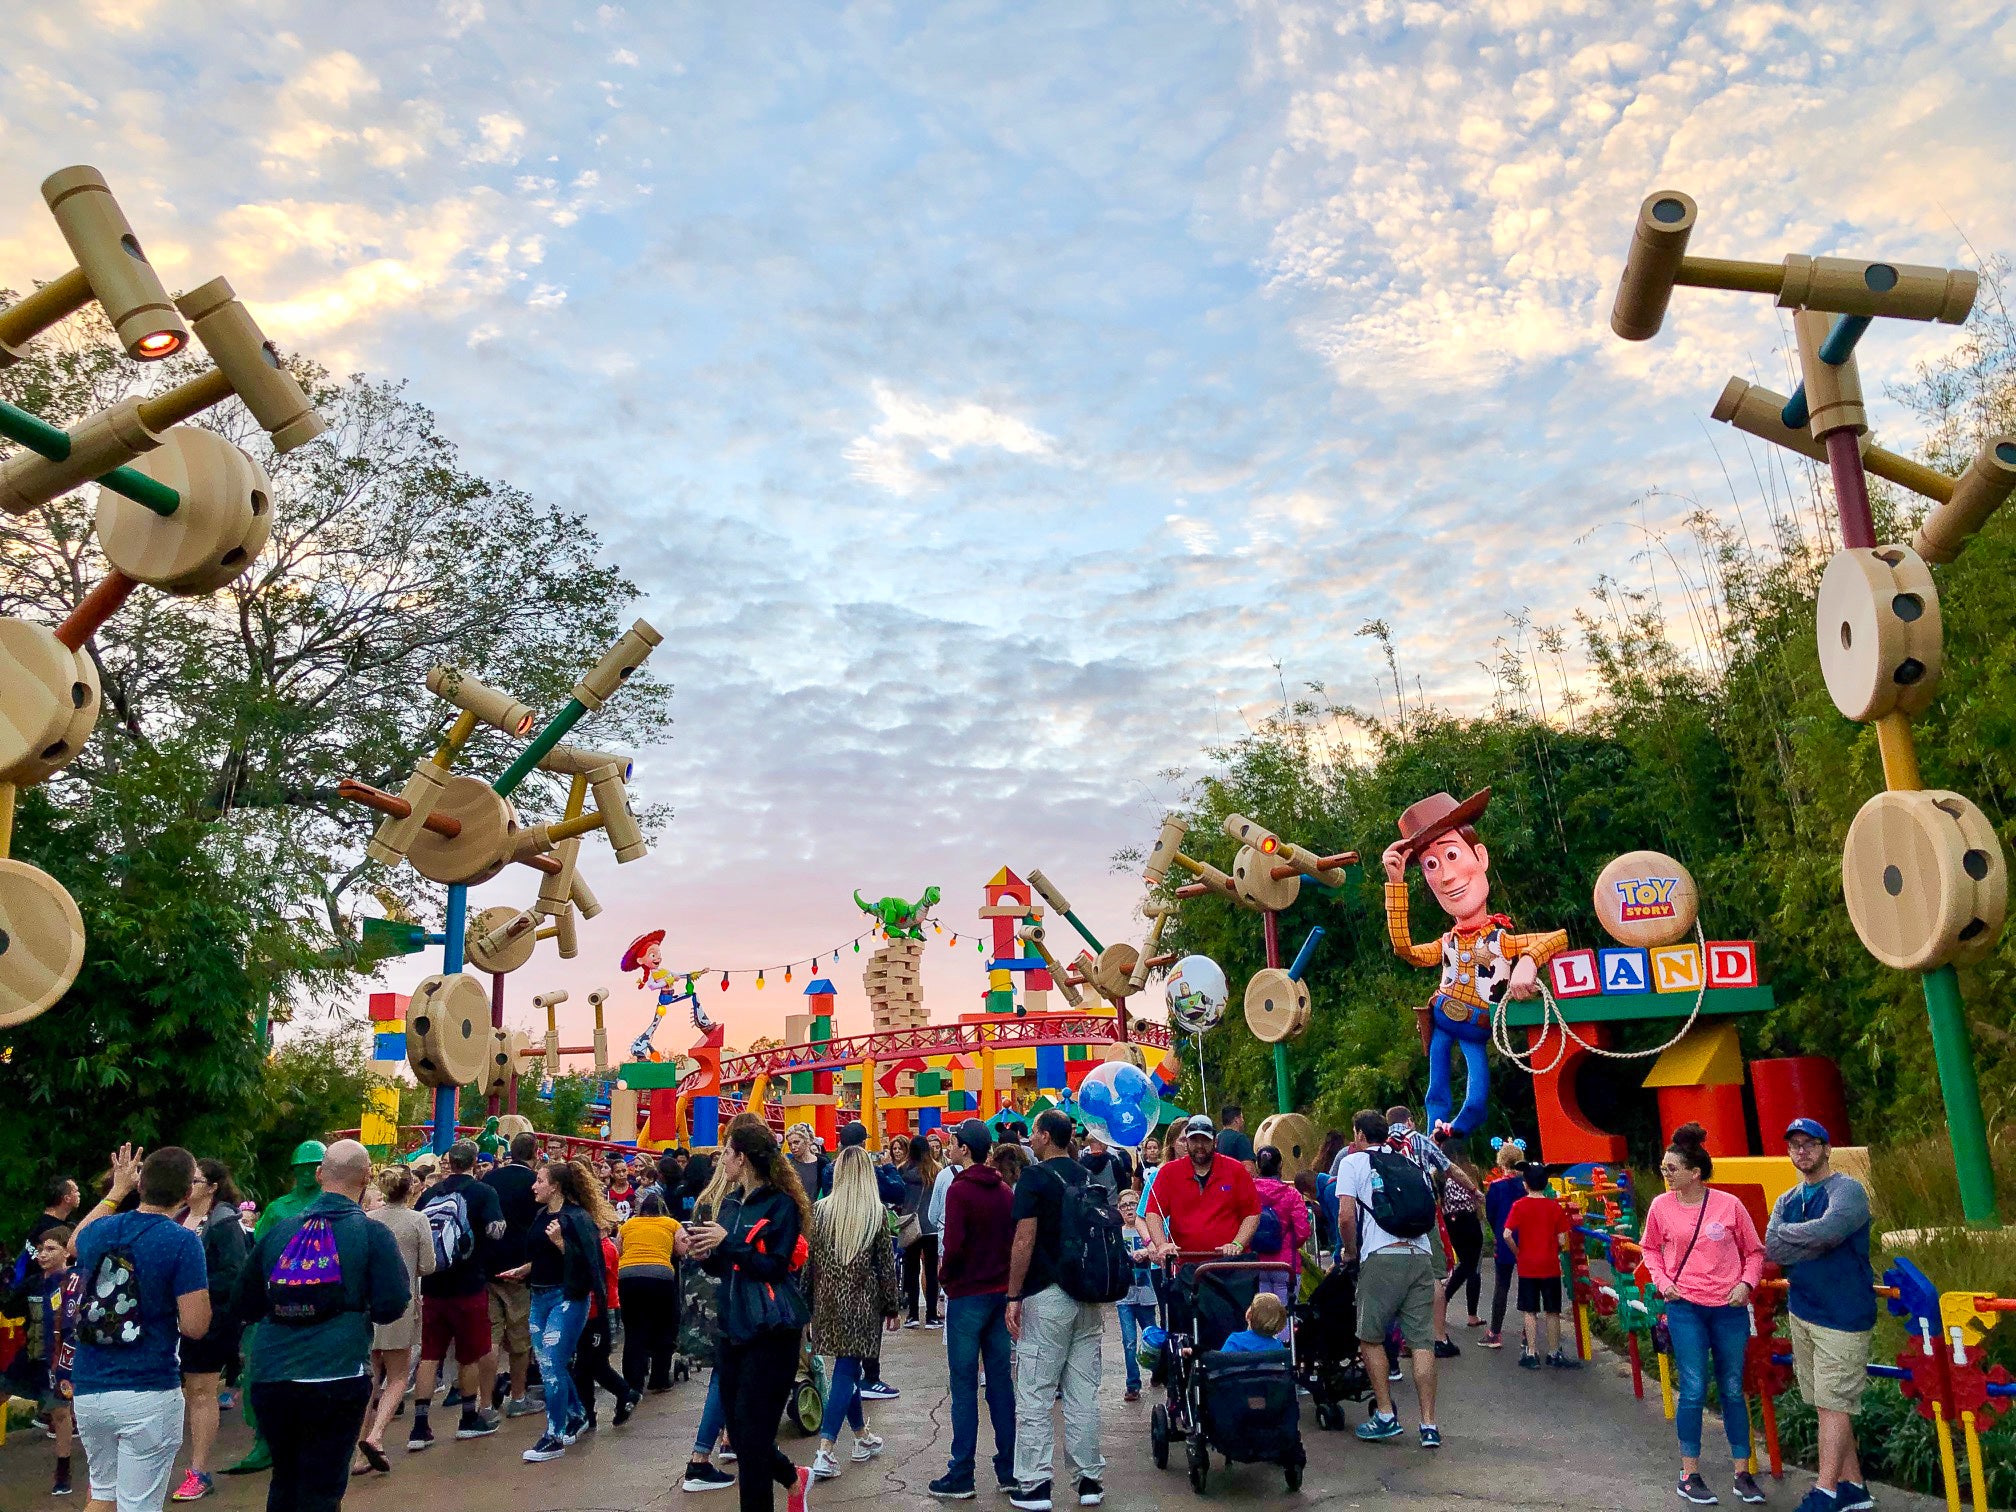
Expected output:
(757, 1262)
(576, 1267)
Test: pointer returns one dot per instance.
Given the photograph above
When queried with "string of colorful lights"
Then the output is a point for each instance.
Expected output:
(811, 962)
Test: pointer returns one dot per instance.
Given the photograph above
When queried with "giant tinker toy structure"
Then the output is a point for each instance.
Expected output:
(179, 509)
(1922, 871)
(459, 831)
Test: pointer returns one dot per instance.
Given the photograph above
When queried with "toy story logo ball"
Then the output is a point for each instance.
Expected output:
(1119, 1104)
(1646, 898)
(1197, 993)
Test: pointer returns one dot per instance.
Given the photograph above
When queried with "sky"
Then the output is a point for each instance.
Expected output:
(999, 405)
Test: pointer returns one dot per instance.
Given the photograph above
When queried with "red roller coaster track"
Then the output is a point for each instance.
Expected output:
(935, 1039)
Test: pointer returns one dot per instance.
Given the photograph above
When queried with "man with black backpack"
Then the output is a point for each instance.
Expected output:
(466, 1221)
(319, 1281)
(1070, 1256)
(1386, 1212)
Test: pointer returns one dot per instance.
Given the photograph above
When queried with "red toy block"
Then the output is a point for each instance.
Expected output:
(1732, 963)
(1566, 1135)
(387, 1006)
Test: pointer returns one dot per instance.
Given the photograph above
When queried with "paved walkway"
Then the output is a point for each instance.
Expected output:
(1511, 1440)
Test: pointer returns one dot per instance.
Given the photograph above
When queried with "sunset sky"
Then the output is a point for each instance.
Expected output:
(999, 405)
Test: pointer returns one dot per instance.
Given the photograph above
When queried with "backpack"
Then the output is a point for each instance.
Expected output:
(447, 1218)
(305, 1284)
(1093, 1264)
(1403, 1203)
(1267, 1233)
(109, 1315)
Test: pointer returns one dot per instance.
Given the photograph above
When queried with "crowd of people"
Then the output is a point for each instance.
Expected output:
(507, 1278)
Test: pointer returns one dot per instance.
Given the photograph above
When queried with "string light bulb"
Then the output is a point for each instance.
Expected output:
(759, 978)
(787, 973)
(724, 981)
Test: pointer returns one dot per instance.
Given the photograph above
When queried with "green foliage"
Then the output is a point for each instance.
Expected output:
(1715, 742)
(217, 869)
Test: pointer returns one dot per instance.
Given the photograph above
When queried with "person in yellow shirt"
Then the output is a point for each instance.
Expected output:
(1482, 960)
(647, 1284)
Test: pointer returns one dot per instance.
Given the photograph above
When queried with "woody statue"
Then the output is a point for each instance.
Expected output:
(1482, 960)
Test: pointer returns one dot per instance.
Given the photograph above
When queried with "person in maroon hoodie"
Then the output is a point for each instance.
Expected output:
(973, 1269)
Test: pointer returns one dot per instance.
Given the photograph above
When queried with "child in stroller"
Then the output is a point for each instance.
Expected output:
(1241, 1403)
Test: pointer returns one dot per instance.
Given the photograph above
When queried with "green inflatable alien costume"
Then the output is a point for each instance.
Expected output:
(306, 1162)
(900, 920)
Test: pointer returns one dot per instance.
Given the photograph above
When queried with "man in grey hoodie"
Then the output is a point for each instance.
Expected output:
(1819, 1234)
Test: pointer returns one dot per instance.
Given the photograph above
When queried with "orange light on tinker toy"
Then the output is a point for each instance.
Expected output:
(1269, 845)
(159, 344)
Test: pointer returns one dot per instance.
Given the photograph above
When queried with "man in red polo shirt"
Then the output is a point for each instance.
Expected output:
(1207, 1202)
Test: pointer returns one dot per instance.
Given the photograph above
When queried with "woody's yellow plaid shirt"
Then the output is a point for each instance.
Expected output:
(1540, 947)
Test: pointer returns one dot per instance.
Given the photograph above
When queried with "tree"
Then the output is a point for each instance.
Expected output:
(201, 831)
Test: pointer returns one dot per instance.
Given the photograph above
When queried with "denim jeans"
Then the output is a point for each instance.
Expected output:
(976, 1329)
(556, 1329)
(711, 1419)
(1134, 1317)
(843, 1398)
(1697, 1331)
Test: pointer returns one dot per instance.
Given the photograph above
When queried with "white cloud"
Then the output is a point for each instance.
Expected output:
(891, 453)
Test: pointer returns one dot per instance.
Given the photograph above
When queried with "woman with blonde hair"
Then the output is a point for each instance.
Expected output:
(753, 1247)
(392, 1344)
(854, 1296)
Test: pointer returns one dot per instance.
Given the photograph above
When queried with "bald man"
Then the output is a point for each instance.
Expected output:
(311, 1377)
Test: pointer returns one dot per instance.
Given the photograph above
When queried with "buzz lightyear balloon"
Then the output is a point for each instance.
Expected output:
(1118, 1103)
(1197, 993)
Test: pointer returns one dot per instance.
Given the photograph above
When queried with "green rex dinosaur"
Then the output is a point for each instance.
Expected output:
(900, 920)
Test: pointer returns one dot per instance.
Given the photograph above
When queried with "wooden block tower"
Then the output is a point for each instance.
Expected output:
(895, 993)
(1009, 906)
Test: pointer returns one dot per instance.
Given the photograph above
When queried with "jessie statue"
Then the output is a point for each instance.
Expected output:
(1482, 960)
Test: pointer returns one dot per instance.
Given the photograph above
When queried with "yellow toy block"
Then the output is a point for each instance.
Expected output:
(1710, 1056)
(1774, 1173)
(1677, 968)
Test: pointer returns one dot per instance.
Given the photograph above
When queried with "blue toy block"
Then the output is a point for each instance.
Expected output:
(929, 1119)
(389, 1047)
(1050, 1068)
(706, 1127)
(1625, 970)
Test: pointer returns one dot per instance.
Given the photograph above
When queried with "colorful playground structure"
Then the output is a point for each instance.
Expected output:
(907, 1074)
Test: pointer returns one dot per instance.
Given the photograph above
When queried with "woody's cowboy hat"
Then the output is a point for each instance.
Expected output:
(1434, 816)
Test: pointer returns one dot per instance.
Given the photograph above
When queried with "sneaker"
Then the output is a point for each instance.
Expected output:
(421, 1437)
(952, 1488)
(519, 1407)
(1035, 1499)
(1090, 1492)
(1852, 1496)
(62, 1488)
(226, 1400)
(477, 1425)
(1528, 1360)
(800, 1495)
(548, 1448)
(933, 1323)
(1393, 1373)
(824, 1466)
(625, 1407)
(1494, 1341)
(195, 1486)
(912, 1323)
(701, 1476)
(866, 1447)
(576, 1426)
(1445, 1349)
(1817, 1500)
(1379, 1426)
(454, 1397)
(725, 1454)
(1748, 1490)
(1133, 1394)
(1431, 1436)
(880, 1391)
(1694, 1489)
(1561, 1360)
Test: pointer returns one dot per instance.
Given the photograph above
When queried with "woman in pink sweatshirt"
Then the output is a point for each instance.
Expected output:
(1293, 1213)
(1702, 1249)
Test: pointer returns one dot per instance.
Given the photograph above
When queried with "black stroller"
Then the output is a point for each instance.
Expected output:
(1242, 1405)
(1326, 1339)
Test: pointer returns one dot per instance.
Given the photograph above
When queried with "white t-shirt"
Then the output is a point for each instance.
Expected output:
(934, 1207)
(1356, 1182)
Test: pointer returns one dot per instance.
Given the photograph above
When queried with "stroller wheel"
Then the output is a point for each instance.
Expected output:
(1293, 1475)
(1323, 1416)
(1158, 1436)
(808, 1405)
(1200, 1462)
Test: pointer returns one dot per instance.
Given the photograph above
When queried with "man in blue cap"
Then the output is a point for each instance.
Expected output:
(1819, 1234)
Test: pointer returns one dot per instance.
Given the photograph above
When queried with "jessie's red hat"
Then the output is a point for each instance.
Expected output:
(633, 957)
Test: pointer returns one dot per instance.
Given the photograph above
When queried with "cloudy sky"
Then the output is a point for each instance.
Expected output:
(987, 397)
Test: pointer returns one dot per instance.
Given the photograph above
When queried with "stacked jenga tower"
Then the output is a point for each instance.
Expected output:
(895, 993)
